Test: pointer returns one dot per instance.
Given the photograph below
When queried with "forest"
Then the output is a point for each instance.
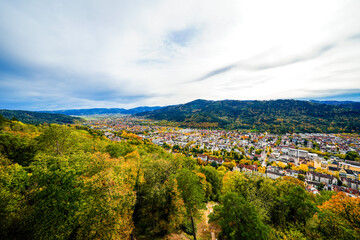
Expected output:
(70, 182)
(276, 116)
(38, 117)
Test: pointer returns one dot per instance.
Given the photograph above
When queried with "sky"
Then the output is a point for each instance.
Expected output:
(86, 54)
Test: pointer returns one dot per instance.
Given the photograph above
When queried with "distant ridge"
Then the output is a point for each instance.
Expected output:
(279, 116)
(98, 111)
(38, 117)
(348, 104)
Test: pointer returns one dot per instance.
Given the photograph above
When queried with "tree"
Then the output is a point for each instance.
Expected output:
(159, 207)
(18, 149)
(85, 196)
(54, 183)
(238, 218)
(222, 171)
(213, 177)
(279, 164)
(60, 140)
(229, 165)
(14, 210)
(301, 177)
(338, 218)
(352, 155)
(346, 207)
(262, 169)
(244, 161)
(292, 205)
(302, 167)
(119, 149)
(193, 194)
(2, 120)
(321, 186)
(214, 164)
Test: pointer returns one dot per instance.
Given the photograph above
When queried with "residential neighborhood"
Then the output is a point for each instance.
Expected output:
(322, 161)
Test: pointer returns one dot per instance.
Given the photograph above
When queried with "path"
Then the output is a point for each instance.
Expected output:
(209, 210)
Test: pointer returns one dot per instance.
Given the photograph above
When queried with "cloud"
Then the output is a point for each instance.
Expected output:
(73, 54)
(263, 66)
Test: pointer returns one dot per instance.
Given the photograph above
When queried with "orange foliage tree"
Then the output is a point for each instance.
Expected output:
(346, 207)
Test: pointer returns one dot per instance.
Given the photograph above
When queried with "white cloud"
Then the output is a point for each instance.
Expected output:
(131, 53)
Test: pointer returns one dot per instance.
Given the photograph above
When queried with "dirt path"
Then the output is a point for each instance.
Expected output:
(209, 210)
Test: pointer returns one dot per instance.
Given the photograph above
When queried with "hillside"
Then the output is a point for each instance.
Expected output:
(37, 117)
(97, 111)
(278, 116)
(63, 182)
(347, 104)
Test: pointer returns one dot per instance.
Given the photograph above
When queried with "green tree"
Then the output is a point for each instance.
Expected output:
(2, 121)
(213, 177)
(14, 210)
(57, 196)
(60, 140)
(85, 196)
(352, 155)
(119, 149)
(193, 194)
(18, 149)
(238, 219)
(292, 205)
(159, 208)
(301, 177)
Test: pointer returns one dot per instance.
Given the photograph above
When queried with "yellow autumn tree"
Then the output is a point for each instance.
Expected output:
(278, 164)
(262, 169)
(229, 165)
(345, 207)
(303, 168)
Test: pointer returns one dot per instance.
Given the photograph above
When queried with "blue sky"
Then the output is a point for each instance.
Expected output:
(84, 54)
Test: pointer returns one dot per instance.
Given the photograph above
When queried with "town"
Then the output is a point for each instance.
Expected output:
(322, 161)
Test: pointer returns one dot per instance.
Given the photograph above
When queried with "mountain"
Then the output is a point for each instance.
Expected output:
(38, 117)
(348, 104)
(279, 116)
(97, 111)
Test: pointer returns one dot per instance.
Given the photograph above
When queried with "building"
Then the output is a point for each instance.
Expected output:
(274, 175)
(351, 183)
(321, 178)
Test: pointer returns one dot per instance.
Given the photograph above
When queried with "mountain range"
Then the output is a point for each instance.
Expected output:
(38, 117)
(98, 111)
(279, 116)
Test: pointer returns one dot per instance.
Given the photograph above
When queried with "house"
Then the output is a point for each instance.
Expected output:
(352, 183)
(347, 173)
(248, 168)
(320, 177)
(215, 159)
(298, 153)
(312, 189)
(274, 175)
(203, 157)
(350, 191)
(292, 173)
(312, 156)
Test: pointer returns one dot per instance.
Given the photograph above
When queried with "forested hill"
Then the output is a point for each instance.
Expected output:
(70, 182)
(277, 116)
(346, 104)
(37, 117)
(97, 111)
